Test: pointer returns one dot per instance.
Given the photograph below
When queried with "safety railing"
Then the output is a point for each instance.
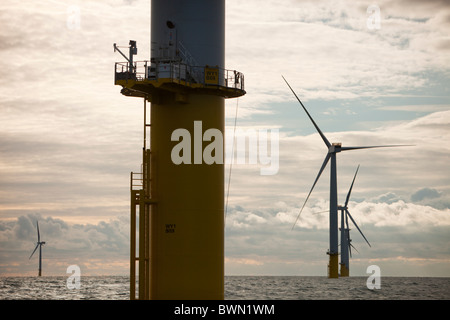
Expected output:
(181, 73)
(122, 72)
(136, 181)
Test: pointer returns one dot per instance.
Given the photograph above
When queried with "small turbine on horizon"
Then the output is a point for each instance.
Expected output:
(38, 244)
(333, 149)
(346, 242)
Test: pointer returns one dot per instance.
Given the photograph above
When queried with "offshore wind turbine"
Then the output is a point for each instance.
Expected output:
(346, 242)
(38, 244)
(333, 150)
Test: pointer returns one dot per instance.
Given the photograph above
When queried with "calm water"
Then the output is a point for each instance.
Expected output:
(236, 288)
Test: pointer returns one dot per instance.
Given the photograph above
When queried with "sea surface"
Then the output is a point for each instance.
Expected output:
(236, 288)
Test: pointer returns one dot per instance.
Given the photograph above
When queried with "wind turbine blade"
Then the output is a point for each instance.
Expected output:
(324, 164)
(346, 224)
(349, 246)
(315, 125)
(34, 251)
(371, 147)
(354, 248)
(321, 211)
(357, 227)
(351, 187)
(39, 236)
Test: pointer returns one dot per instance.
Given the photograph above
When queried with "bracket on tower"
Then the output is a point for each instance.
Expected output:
(133, 51)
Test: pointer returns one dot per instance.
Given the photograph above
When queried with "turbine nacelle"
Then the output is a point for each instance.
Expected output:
(335, 147)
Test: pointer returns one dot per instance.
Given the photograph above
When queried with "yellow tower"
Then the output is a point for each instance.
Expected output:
(179, 194)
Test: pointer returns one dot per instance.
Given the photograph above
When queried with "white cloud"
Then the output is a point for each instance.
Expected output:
(414, 232)
(401, 213)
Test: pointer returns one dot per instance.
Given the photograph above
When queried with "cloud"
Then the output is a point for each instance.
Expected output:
(326, 49)
(66, 244)
(415, 232)
(386, 198)
(245, 261)
(425, 193)
(431, 197)
(400, 213)
(417, 108)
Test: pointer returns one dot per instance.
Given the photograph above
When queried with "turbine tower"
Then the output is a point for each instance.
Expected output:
(346, 242)
(38, 244)
(333, 150)
(178, 198)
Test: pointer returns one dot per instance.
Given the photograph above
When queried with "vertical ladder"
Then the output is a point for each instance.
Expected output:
(141, 198)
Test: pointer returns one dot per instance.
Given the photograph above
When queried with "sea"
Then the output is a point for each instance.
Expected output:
(240, 288)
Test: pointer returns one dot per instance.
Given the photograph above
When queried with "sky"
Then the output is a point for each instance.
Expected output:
(370, 73)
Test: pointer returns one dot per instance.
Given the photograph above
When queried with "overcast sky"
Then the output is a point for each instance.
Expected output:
(69, 139)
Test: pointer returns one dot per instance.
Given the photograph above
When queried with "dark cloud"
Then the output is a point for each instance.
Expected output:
(432, 197)
(24, 229)
(425, 193)
(65, 243)
(389, 198)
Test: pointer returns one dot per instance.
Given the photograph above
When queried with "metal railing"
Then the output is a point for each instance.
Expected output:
(122, 72)
(136, 181)
(179, 72)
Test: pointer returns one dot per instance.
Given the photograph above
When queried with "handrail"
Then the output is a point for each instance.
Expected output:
(139, 183)
(178, 71)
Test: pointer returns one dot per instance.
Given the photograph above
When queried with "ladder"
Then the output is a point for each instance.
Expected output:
(141, 198)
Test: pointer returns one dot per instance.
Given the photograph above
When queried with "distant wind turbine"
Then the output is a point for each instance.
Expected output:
(346, 242)
(39, 244)
(333, 149)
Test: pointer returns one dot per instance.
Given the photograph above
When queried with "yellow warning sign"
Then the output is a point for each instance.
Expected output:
(211, 76)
